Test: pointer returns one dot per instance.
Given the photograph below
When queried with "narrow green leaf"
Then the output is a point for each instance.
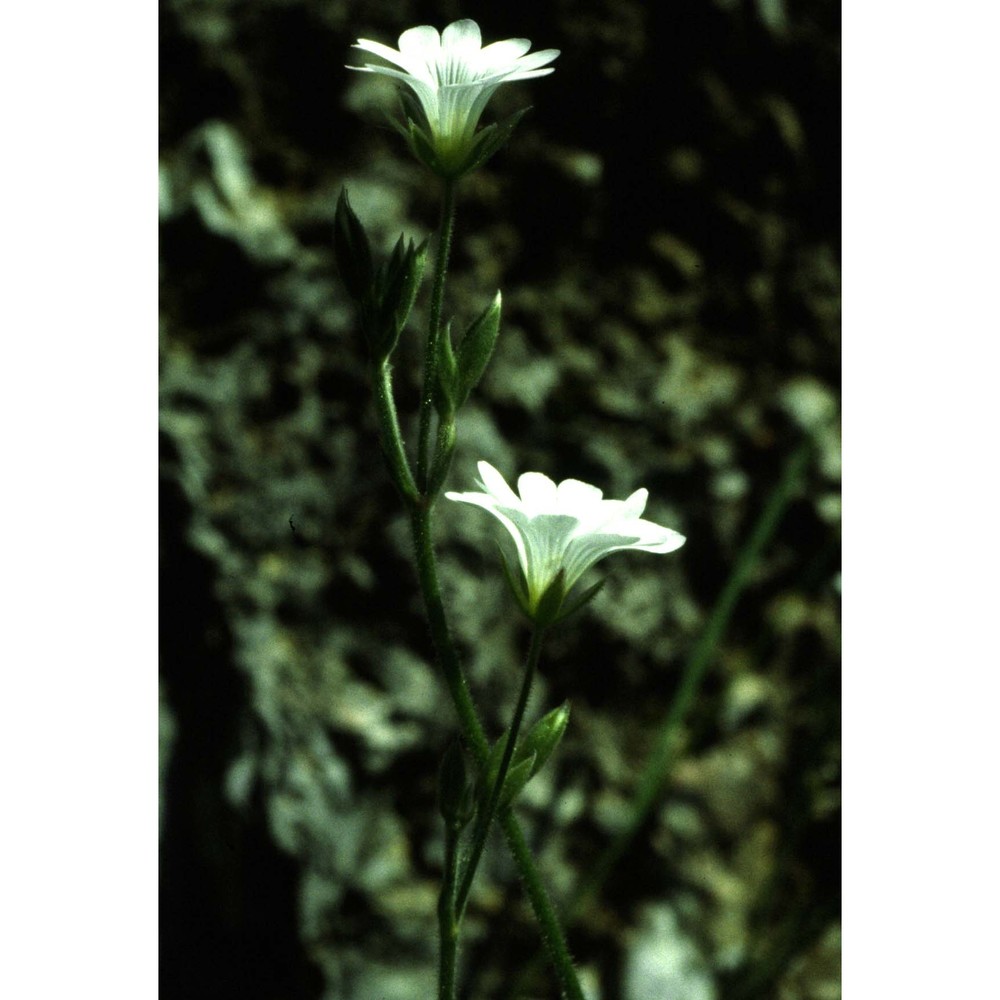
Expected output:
(413, 110)
(544, 737)
(352, 250)
(413, 276)
(551, 601)
(421, 145)
(515, 585)
(490, 770)
(585, 598)
(446, 387)
(517, 777)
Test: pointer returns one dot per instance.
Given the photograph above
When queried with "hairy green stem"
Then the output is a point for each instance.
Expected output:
(553, 937)
(423, 544)
(447, 921)
(475, 736)
(485, 821)
(445, 232)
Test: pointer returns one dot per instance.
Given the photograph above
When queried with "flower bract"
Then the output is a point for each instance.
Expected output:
(453, 76)
(565, 528)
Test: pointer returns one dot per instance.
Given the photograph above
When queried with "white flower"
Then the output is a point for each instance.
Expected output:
(454, 76)
(565, 528)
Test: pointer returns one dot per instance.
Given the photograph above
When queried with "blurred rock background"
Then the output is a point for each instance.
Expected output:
(665, 229)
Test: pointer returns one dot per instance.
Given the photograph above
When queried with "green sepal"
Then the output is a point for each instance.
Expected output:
(415, 130)
(413, 110)
(544, 737)
(491, 140)
(455, 800)
(518, 775)
(585, 598)
(446, 376)
(422, 146)
(550, 603)
(476, 348)
(516, 588)
(352, 250)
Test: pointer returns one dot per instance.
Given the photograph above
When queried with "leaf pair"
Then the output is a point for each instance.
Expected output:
(529, 756)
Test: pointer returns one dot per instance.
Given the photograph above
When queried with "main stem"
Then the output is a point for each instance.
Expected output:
(420, 507)
(484, 823)
(475, 736)
(434, 331)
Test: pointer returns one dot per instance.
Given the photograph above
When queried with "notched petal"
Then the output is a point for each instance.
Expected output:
(423, 41)
(462, 36)
(538, 493)
(575, 496)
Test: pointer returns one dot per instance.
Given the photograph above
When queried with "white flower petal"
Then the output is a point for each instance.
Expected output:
(654, 537)
(462, 37)
(501, 55)
(425, 92)
(538, 493)
(487, 503)
(585, 550)
(528, 76)
(422, 42)
(417, 67)
(547, 537)
(495, 484)
(634, 505)
(532, 61)
(460, 106)
(578, 498)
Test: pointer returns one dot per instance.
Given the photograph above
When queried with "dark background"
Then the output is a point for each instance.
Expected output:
(665, 229)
